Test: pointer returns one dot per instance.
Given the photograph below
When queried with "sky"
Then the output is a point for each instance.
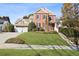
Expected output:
(18, 10)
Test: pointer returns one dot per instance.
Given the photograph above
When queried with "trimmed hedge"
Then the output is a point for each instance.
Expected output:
(41, 29)
(52, 32)
(15, 40)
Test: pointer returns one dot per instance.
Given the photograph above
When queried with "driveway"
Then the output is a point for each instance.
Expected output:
(6, 35)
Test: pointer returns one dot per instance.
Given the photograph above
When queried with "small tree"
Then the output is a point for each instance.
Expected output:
(31, 26)
(8, 28)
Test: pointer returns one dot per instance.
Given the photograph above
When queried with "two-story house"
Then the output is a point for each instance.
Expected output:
(45, 19)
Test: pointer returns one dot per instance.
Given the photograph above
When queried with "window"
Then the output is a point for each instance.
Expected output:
(37, 17)
(44, 16)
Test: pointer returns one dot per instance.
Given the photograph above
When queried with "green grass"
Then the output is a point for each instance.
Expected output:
(19, 52)
(39, 38)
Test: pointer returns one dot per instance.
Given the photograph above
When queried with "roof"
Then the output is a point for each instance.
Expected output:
(21, 22)
(44, 10)
(4, 18)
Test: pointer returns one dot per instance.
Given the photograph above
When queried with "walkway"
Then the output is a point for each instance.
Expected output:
(6, 35)
(25, 46)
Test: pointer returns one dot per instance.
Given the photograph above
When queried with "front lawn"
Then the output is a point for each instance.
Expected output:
(40, 38)
(46, 52)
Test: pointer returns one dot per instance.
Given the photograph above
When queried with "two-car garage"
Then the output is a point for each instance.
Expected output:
(21, 29)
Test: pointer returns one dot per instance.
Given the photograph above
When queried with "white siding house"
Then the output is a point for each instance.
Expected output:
(21, 25)
(21, 29)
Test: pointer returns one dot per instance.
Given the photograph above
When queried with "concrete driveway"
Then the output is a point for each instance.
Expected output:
(6, 35)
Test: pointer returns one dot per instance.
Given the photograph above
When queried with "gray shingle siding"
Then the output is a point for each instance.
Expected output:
(2, 20)
(1, 23)
(1, 27)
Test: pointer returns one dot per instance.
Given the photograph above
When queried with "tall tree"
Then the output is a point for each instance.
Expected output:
(70, 18)
(76, 14)
(70, 14)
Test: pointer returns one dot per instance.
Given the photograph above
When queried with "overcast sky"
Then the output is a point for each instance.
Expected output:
(17, 10)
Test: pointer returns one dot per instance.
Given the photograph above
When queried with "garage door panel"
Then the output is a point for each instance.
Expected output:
(22, 29)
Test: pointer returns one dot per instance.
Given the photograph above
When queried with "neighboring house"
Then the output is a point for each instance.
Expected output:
(3, 20)
(21, 25)
(45, 19)
(1, 23)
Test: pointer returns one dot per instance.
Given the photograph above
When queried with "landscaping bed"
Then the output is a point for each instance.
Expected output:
(15, 40)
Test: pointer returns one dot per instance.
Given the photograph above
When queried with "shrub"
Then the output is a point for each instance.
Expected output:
(15, 40)
(8, 28)
(52, 32)
(35, 29)
(31, 26)
(69, 32)
(41, 29)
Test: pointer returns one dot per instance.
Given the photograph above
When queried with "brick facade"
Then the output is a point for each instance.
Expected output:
(45, 19)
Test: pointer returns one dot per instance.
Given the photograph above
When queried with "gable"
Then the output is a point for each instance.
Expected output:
(44, 10)
(41, 11)
(22, 22)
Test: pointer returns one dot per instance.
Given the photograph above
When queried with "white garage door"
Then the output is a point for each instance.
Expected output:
(21, 29)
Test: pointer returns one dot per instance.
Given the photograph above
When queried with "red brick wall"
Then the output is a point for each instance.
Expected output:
(41, 21)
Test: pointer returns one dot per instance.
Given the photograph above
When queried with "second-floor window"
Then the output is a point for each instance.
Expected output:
(37, 16)
(44, 16)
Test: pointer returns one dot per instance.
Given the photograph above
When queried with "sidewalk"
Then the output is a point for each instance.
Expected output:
(25, 46)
